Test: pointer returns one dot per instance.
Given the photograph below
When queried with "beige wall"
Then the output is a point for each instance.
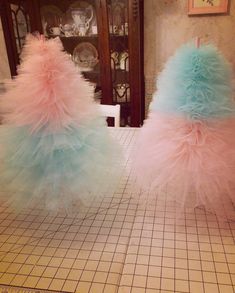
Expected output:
(4, 66)
(167, 26)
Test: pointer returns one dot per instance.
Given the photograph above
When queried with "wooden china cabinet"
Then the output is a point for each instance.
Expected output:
(103, 37)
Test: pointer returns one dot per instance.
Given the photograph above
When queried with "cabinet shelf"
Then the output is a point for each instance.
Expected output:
(116, 36)
(119, 43)
(82, 38)
(70, 43)
(120, 76)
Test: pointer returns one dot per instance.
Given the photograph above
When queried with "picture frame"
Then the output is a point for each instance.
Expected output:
(197, 7)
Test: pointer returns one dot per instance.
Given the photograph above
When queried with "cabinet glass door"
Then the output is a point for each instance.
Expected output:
(16, 24)
(75, 22)
(20, 21)
(119, 53)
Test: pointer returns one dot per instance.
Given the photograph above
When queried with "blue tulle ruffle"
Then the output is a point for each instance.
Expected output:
(195, 82)
(73, 164)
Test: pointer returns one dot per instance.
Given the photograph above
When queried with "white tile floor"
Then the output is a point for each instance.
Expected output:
(118, 245)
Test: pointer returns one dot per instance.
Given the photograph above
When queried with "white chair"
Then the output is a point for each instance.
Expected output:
(111, 111)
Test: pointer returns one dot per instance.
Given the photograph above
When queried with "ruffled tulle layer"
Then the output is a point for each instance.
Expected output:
(59, 169)
(189, 158)
(49, 93)
(195, 83)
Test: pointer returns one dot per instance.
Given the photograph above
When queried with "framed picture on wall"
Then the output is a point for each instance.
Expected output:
(207, 6)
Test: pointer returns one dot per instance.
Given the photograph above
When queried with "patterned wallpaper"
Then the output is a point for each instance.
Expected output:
(168, 26)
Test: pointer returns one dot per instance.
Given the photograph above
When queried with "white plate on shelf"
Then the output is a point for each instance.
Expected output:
(85, 56)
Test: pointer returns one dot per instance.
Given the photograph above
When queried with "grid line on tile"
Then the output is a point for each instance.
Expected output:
(16, 289)
(59, 229)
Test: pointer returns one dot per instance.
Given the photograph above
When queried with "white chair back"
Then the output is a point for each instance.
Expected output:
(111, 111)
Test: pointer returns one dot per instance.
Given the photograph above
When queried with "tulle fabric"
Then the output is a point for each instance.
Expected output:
(49, 92)
(61, 167)
(194, 161)
(196, 83)
(187, 144)
(55, 148)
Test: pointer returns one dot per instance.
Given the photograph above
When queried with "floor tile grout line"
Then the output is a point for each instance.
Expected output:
(35, 264)
(162, 256)
(33, 290)
(68, 226)
(96, 238)
(213, 255)
(225, 255)
(106, 242)
(127, 248)
(62, 258)
(128, 244)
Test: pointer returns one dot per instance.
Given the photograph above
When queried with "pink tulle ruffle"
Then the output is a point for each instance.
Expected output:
(189, 158)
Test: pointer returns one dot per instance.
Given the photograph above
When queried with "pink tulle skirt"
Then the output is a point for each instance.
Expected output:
(189, 158)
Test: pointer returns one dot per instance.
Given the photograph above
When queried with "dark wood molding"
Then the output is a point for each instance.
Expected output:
(141, 20)
(104, 52)
(34, 15)
(9, 36)
(136, 64)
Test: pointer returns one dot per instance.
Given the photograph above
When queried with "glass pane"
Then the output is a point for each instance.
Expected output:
(118, 29)
(21, 24)
(75, 22)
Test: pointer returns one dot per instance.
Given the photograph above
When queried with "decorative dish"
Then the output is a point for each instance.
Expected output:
(85, 56)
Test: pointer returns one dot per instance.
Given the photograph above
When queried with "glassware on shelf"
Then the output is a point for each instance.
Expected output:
(51, 17)
(121, 30)
(76, 24)
(118, 23)
(78, 20)
(94, 30)
(55, 30)
(67, 30)
(82, 18)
